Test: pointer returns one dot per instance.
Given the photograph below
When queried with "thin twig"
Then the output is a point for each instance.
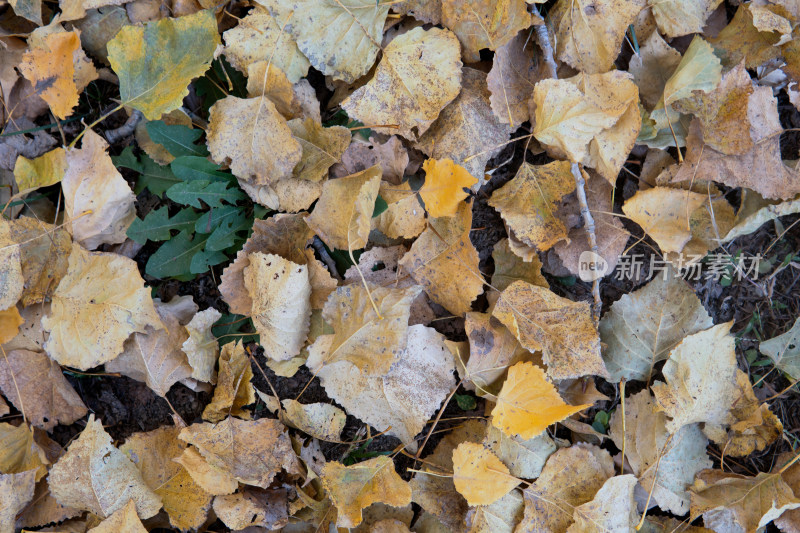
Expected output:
(126, 129)
(588, 224)
(319, 247)
(543, 38)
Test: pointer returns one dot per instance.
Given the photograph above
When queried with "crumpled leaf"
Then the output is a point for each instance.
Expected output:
(19, 452)
(34, 384)
(563, 330)
(403, 90)
(253, 508)
(342, 216)
(254, 137)
(612, 510)
(528, 403)
(320, 420)
(483, 24)
(589, 33)
(352, 488)
(681, 17)
(50, 68)
(98, 201)
(95, 476)
(755, 212)
(701, 379)
(666, 465)
(444, 261)
(784, 350)
(524, 458)
(211, 479)
(16, 490)
(444, 187)
(515, 70)
(479, 475)
(642, 327)
(97, 305)
(492, 350)
(663, 213)
(528, 203)
(741, 40)
(201, 348)
(407, 396)
(155, 62)
(280, 291)
(123, 520)
(234, 389)
(251, 451)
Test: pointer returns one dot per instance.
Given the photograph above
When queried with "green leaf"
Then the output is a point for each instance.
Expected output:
(221, 74)
(210, 220)
(204, 259)
(152, 176)
(177, 139)
(227, 327)
(157, 224)
(466, 402)
(380, 206)
(213, 194)
(175, 256)
(226, 234)
(190, 168)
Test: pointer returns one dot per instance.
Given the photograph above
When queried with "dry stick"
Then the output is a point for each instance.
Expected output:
(126, 129)
(588, 224)
(624, 428)
(326, 257)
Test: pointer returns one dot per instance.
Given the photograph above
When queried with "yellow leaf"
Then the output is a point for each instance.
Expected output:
(10, 321)
(49, 67)
(404, 216)
(19, 452)
(124, 520)
(403, 92)
(444, 187)
(352, 488)
(508, 268)
(234, 388)
(95, 476)
(320, 420)
(652, 67)
(484, 24)
(741, 40)
(322, 147)
(12, 282)
(682, 17)
(342, 216)
(492, 350)
(16, 490)
(211, 479)
(528, 403)
(699, 70)
(45, 170)
(155, 62)
(479, 475)
(563, 330)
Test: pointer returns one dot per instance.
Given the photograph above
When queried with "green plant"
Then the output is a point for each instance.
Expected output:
(209, 216)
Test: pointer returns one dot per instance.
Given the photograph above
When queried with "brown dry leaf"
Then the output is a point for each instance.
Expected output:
(322, 147)
(681, 17)
(16, 490)
(320, 420)
(563, 330)
(352, 488)
(202, 348)
(34, 384)
(97, 199)
(392, 157)
(429, 11)
(589, 33)
(528, 403)
(479, 475)
(731, 502)
(404, 216)
(49, 67)
(372, 342)
(19, 452)
(265, 79)
(124, 520)
(591, 119)
(515, 70)
(4, 408)
(343, 214)
(281, 310)
(741, 40)
(211, 479)
(253, 508)
(234, 388)
(251, 451)
(664, 214)
(467, 131)
(528, 203)
(652, 67)
(444, 261)
(789, 521)
(492, 350)
(664, 463)
(483, 24)
(31, 335)
(701, 379)
(153, 453)
(508, 268)
(444, 186)
(524, 458)
(407, 396)
(42, 171)
(97, 305)
(258, 37)
(571, 477)
(418, 75)
(642, 327)
(613, 508)
(95, 476)
(10, 321)
(254, 138)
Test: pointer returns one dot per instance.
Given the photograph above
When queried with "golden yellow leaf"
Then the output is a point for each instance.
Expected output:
(444, 261)
(479, 475)
(663, 213)
(444, 187)
(95, 476)
(153, 453)
(49, 67)
(492, 350)
(528, 403)
(352, 488)
(563, 330)
(281, 310)
(404, 90)
(201, 348)
(97, 199)
(484, 24)
(250, 451)
(404, 216)
(322, 147)
(681, 17)
(211, 479)
(320, 420)
(10, 321)
(19, 452)
(251, 135)
(125, 520)
(234, 388)
(589, 33)
(35, 385)
(156, 62)
(342, 216)
(16, 490)
(42, 171)
(97, 305)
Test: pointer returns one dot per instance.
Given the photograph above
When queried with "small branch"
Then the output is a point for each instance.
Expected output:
(326, 257)
(126, 129)
(588, 224)
(543, 38)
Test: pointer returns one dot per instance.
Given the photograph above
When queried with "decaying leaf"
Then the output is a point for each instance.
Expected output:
(492, 350)
(322, 147)
(613, 508)
(253, 508)
(234, 389)
(444, 187)
(49, 67)
(481, 24)
(515, 70)
(211, 479)
(13, 282)
(19, 452)
(124, 520)
(404, 216)
(524, 458)
(500, 517)
(320, 420)
(10, 321)
(784, 350)
(664, 214)
(508, 268)
(16, 490)
(47, 169)
(681, 17)
(201, 348)
(479, 475)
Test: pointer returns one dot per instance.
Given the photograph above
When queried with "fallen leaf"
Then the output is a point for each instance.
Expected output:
(784, 350)
(515, 70)
(124, 520)
(251, 451)
(642, 327)
(31, 335)
(97, 199)
(524, 458)
(682, 17)
(755, 212)
(10, 321)
(320, 420)
(352, 488)
(508, 268)
(155, 62)
(201, 348)
(480, 24)
(34, 384)
(13, 282)
(663, 213)
(404, 216)
(211, 479)
(402, 91)
(788, 521)
(429, 11)
(49, 67)
(613, 508)
(741, 40)
(652, 67)
(253, 508)
(563, 330)
(500, 517)
(95, 476)
(492, 350)
(479, 475)
(234, 389)
(97, 305)
(19, 452)
(16, 490)
(444, 186)
(322, 147)
(43, 171)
